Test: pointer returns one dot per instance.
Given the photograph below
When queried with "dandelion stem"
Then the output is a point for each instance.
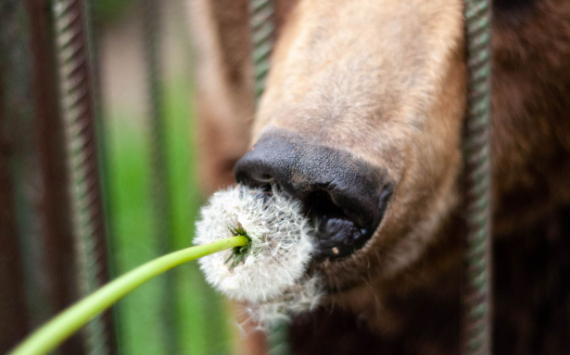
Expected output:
(66, 323)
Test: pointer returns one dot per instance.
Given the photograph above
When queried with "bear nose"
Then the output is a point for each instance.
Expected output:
(344, 196)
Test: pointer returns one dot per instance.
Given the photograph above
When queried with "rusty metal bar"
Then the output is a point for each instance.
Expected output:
(47, 288)
(19, 147)
(477, 318)
(33, 142)
(58, 257)
(76, 104)
(14, 323)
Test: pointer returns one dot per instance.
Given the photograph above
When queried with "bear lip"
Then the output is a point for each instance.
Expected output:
(338, 236)
(342, 231)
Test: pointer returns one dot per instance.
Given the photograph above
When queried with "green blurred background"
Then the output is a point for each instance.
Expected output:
(201, 323)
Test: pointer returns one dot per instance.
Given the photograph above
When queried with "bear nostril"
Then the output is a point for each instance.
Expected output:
(254, 175)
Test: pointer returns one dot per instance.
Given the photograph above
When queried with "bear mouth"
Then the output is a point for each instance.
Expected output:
(341, 231)
(337, 235)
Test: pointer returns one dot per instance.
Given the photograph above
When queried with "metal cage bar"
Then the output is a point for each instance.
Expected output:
(77, 107)
(42, 237)
(477, 323)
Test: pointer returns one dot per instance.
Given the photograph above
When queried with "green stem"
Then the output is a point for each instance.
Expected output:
(66, 323)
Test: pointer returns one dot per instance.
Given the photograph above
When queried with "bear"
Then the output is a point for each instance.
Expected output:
(361, 119)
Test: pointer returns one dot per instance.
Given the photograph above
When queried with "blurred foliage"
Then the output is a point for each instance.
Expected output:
(110, 10)
(202, 322)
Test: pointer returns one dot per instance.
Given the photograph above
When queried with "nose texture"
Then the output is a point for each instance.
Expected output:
(345, 196)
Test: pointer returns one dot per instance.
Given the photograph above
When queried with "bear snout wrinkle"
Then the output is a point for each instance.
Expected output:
(343, 195)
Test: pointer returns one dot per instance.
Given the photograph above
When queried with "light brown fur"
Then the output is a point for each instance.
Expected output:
(385, 80)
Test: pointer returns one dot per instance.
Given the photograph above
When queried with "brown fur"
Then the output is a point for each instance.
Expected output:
(385, 80)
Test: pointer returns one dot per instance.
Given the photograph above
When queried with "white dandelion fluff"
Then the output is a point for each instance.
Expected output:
(303, 296)
(271, 274)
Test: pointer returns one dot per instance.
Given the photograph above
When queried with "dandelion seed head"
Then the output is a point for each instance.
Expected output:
(304, 296)
(271, 275)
